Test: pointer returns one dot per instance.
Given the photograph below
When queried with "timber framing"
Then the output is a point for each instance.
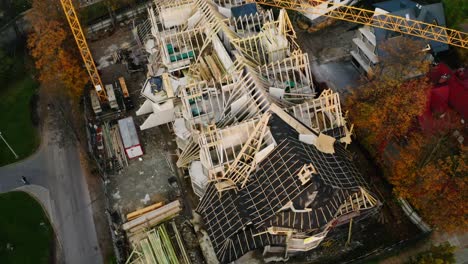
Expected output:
(264, 152)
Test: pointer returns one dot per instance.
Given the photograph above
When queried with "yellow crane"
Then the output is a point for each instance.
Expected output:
(84, 49)
(342, 12)
(370, 18)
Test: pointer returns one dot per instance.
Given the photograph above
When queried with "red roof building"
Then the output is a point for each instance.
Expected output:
(450, 89)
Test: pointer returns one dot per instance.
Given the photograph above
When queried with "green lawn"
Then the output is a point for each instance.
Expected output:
(15, 119)
(26, 235)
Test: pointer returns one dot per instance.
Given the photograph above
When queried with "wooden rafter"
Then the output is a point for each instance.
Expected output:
(357, 201)
(190, 153)
(244, 163)
(321, 114)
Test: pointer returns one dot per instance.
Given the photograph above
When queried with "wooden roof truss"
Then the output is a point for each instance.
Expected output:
(215, 25)
(181, 48)
(202, 103)
(230, 3)
(357, 201)
(223, 151)
(245, 101)
(292, 75)
(249, 25)
(239, 170)
(321, 114)
(190, 153)
(160, 7)
(253, 47)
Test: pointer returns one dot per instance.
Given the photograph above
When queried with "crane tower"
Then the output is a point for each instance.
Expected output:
(84, 49)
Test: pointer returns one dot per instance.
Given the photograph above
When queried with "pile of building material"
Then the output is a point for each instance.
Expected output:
(147, 209)
(152, 218)
(114, 150)
(264, 152)
(120, 143)
(162, 244)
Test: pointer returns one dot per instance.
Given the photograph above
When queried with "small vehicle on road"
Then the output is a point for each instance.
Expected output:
(24, 180)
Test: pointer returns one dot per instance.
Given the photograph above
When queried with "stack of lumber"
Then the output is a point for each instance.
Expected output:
(153, 217)
(139, 212)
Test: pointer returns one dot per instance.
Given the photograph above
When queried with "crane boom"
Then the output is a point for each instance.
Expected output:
(370, 18)
(84, 49)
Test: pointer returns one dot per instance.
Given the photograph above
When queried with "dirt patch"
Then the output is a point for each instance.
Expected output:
(329, 55)
(97, 196)
(145, 180)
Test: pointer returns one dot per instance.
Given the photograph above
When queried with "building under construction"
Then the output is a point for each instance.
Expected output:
(265, 153)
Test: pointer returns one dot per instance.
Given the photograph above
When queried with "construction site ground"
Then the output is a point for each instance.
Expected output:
(329, 55)
(145, 180)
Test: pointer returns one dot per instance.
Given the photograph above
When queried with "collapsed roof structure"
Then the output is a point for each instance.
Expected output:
(265, 154)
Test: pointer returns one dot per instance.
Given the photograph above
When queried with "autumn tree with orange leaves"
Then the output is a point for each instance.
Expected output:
(428, 168)
(386, 105)
(53, 49)
(431, 172)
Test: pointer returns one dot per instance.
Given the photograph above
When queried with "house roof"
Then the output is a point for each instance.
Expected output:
(395, 5)
(432, 13)
(234, 217)
(243, 10)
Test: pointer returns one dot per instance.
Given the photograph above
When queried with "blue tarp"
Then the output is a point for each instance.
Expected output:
(243, 10)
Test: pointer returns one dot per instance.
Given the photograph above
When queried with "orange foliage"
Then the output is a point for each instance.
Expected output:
(435, 185)
(45, 45)
(426, 171)
(49, 44)
(382, 111)
(386, 106)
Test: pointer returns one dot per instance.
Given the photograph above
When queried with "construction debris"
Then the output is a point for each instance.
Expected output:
(160, 246)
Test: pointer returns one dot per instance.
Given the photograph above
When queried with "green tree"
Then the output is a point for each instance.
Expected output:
(113, 5)
(441, 254)
(5, 66)
(13, 8)
(456, 12)
(456, 15)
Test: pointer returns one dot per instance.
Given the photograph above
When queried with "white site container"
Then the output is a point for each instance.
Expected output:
(130, 139)
(95, 102)
(111, 96)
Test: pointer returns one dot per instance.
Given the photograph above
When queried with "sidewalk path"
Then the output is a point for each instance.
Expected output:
(56, 167)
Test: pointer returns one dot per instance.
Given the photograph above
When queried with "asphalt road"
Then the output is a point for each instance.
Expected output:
(56, 166)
